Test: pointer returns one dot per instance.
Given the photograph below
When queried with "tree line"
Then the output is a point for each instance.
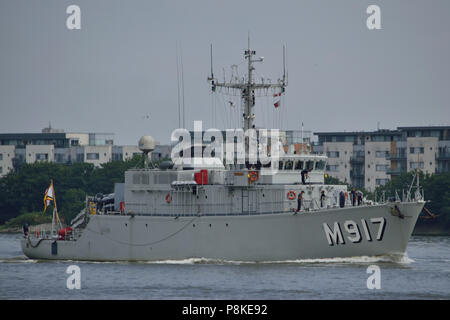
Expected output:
(23, 191)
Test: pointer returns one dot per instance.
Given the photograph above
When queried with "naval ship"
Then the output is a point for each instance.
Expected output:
(205, 207)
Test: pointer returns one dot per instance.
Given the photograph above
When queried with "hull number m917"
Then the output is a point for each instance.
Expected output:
(354, 234)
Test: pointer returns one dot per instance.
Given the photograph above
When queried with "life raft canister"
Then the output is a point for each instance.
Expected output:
(168, 198)
(62, 233)
(253, 176)
(291, 195)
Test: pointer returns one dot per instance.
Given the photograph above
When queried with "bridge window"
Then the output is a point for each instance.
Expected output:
(280, 165)
(289, 165)
(299, 165)
(309, 165)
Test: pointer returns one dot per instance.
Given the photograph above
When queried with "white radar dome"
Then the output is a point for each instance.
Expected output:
(146, 144)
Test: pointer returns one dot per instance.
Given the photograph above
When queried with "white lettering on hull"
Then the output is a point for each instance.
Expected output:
(352, 229)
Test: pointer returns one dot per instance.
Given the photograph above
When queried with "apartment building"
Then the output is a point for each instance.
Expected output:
(54, 145)
(372, 158)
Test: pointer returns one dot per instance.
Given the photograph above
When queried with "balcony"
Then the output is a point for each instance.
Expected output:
(395, 172)
(396, 156)
(443, 156)
(357, 160)
(356, 174)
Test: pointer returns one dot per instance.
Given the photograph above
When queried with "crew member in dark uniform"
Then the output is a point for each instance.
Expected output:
(304, 174)
(299, 201)
(342, 199)
(25, 229)
(322, 199)
(360, 196)
(353, 196)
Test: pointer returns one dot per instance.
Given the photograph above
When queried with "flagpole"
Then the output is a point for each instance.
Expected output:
(54, 202)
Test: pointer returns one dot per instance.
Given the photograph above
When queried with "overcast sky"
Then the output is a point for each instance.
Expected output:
(121, 66)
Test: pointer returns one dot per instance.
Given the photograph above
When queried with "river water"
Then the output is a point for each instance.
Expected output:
(423, 274)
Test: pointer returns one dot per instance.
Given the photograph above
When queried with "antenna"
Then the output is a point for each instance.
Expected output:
(287, 69)
(212, 73)
(178, 89)
(249, 88)
(182, 87)
(284, 63)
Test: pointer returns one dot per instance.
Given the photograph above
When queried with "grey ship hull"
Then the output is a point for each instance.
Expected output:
(347, 232)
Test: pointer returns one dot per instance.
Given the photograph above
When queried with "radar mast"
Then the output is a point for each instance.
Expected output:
(248, 87)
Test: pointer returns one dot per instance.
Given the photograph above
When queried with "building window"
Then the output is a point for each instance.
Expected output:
(382, 167)
(333, 168)
(75, 143)
(382, 154)
(41, 156)
(1, 170)
(381, 182)
(59, 158)
(92, 156)
(1, 156)
(333, 154)
(415, 150)
(117, 156)
(413, 165)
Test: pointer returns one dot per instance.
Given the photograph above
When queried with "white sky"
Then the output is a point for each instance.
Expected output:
(121, 66)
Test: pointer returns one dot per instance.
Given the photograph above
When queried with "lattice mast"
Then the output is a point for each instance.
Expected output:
(248, 86)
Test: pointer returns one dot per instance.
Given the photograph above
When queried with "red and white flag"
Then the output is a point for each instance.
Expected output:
(277, 99)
